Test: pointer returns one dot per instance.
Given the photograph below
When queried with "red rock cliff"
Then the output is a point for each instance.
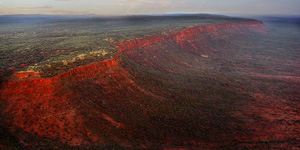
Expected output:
(45, 106)
(252, 26)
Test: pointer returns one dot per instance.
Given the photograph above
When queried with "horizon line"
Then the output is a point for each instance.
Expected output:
(154, 14)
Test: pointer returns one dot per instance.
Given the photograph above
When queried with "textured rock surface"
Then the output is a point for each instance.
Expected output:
(108, 102)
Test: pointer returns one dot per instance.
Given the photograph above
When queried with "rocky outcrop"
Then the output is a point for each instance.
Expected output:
(173, 50)
(251, 26)
(96, 101)
(43, 106)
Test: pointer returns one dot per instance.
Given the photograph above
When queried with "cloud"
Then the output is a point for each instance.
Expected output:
(25, 10)
(41, 10)
(64, 11)
(263, 5)
(115, 4)
(181, 2)
(160, 3)
(63, 0)
(6, 11)
(40, 7)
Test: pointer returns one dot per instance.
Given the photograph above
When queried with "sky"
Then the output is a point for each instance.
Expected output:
(139, 7)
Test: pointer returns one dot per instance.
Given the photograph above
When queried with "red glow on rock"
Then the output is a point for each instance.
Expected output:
(254, 26)
(21, 75)
(23, 65)
(45, 106)
(42, 105)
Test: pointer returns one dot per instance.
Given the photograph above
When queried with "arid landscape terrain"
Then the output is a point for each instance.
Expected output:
(149, 82)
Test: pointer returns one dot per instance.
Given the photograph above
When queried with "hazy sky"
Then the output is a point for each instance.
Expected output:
(134, 7)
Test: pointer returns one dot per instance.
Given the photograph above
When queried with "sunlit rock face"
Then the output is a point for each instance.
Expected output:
(171, 52)
(45, 106)
(149, 95)
(181, 37)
